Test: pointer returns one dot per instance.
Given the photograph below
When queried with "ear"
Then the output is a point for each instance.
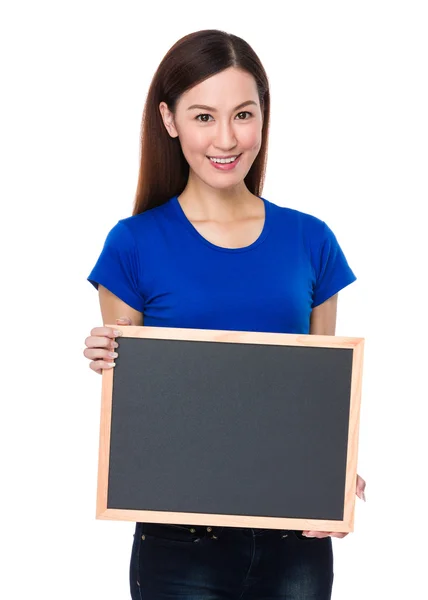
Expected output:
(168, 119)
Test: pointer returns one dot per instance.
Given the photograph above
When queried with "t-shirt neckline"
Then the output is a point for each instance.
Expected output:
(263, 234)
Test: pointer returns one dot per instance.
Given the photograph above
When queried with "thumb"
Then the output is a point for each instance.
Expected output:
(361, 485)
(124, 321)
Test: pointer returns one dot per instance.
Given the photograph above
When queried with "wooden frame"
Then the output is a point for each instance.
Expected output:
(346, 525)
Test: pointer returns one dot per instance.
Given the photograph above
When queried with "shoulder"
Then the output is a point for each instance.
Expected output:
(141, 225)
(302, 222)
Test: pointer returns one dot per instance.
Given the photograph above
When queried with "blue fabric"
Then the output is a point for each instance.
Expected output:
(159, 264)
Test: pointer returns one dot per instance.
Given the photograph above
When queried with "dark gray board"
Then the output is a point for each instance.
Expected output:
(229, 428)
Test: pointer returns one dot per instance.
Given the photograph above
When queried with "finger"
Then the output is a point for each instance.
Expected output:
(362, 495)
(99, 365)
(105, 332)
(361, 484)
(100, 353)
(100, 342)
(124, 320)
(315, 534)
(323, 534)
(111, 346)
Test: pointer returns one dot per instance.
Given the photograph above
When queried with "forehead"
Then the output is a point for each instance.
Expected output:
(224, 90)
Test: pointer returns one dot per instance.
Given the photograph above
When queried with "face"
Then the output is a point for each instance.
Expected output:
(218, 118)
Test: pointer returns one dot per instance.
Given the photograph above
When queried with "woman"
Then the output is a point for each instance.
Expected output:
(203, 249)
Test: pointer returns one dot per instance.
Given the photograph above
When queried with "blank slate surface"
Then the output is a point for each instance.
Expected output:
(220, 428)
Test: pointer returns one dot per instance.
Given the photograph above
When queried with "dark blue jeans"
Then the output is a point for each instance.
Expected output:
(233, 563)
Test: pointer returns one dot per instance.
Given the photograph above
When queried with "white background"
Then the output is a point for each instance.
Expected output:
(348, 144)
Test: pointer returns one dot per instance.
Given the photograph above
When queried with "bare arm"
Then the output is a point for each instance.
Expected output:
(323, 318)
(101, 345)
(113, 308)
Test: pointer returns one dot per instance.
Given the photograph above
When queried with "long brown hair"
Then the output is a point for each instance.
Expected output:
(164, 170)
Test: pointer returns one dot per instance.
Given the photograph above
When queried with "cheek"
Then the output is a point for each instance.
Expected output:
(250, 139)
(194, 143)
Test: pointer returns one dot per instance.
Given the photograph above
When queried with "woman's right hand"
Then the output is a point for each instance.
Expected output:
(101, 346)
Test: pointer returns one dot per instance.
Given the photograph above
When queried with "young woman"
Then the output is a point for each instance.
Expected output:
(203, 249)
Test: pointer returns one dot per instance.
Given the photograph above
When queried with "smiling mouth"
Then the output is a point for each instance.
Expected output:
(224, 160)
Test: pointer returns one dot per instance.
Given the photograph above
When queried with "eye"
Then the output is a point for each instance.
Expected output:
(244, 112)
(203, 121)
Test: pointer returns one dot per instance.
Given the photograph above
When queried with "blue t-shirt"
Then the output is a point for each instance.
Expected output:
(158, 263)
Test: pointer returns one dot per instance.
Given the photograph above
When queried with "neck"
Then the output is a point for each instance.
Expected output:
(205, 202)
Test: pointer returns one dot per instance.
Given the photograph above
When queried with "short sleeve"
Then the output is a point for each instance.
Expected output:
(117, 267)
(332, 270)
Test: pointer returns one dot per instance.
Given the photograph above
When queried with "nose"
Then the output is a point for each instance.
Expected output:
(225, 139)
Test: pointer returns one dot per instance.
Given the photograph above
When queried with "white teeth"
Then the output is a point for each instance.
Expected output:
(224, 160)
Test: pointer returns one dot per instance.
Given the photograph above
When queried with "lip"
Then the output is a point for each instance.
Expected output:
(229, 156)
(226, 166)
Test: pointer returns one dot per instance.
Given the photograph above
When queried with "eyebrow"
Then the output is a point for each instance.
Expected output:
(212, 109)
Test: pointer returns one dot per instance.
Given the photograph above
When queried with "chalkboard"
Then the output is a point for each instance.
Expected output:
(240, 429)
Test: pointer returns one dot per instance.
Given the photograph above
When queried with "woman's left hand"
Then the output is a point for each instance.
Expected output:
(361, 485)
